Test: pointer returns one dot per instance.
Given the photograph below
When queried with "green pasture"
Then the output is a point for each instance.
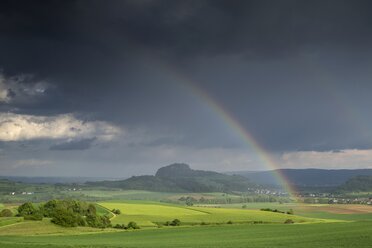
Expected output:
(152, 214)
(44, 227)
(329, 235)
(300, 210)
(4, 221)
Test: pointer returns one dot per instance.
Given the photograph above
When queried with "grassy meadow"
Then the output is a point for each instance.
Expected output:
(203, 225)
(153, 214)
(330, 235)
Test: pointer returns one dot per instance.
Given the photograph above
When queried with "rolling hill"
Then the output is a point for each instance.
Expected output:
(181, 178)
(305, 177)
(357, 184)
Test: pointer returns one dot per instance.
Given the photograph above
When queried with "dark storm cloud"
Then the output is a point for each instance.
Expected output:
(273, 64)
(55, 34)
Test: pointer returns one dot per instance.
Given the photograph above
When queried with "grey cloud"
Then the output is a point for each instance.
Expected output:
(294, 74)
(83, 144)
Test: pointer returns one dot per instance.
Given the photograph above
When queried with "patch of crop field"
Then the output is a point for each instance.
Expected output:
(104, 211)
(336, 211)
(254, 205)
(151, 214)
(207, 196)
(323, 211)
(44, 227)
(118, 195)
(5, 221)
(339, 208)
(327, 235)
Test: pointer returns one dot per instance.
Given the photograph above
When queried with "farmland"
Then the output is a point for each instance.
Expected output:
(355, 234)
(152, 214)
(202, 225)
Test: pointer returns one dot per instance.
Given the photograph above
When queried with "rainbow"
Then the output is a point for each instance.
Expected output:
(233, 124)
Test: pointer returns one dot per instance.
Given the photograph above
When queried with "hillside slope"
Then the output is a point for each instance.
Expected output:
(305, 177)
(181, 178)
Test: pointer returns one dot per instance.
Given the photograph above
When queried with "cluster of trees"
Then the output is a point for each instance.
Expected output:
(131, 225)
(67, 213)
(289, 221)
(175, 222)
(30, 212)
(116, 211)
(290, 211)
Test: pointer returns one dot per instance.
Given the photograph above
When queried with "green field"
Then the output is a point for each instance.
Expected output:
(151, 214)
(319, 225)
(354, 234)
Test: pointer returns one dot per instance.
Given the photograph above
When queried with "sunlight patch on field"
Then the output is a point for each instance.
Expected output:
(154, 214)
(45, 227)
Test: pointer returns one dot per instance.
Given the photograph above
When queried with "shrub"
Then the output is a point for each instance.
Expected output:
(98, 221)
(230, 222)
(116, 211)
(175, 222)
(26, 209)
(289, 221)
(290, 211)
(132, 225)
(120, 226)
(34, 216)
(29, 212)
(6, 213)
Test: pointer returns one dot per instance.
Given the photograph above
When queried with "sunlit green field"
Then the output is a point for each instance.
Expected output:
(19, 227)
(330, 235)
(152, 214)
(201, 226)
(4, 221)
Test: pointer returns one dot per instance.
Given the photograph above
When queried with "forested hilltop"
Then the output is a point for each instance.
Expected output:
(181, 178)
(357, 184)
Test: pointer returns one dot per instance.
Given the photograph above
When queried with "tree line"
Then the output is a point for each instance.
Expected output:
(67, 213)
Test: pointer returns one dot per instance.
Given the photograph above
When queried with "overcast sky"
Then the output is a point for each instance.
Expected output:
(107, 88)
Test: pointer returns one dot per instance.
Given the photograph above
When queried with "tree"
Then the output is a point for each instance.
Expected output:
(116, 211)
(132, 225)
(67, 218)
(6, 213)
(289, 221)
(91, 210)
(29, 212)
(98, 221)
(290, 211)
(175, 222)
(26, 209)
(49, 208)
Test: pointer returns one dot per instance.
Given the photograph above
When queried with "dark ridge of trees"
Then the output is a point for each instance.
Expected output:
(290, 211)
(131, 225)
(357, 184)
